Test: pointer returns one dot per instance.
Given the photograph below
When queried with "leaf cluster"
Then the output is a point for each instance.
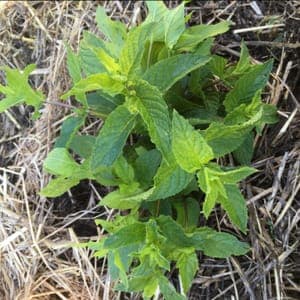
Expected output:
(185, 108)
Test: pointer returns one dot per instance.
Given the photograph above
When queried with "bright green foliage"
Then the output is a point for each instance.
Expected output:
(170, 109)
(18, 89)
(194, 35)
(187, 264)
(189, 147)
(58, 186)
(220, 187)
(243, 92)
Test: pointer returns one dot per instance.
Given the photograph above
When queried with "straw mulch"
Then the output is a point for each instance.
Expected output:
(36, 257)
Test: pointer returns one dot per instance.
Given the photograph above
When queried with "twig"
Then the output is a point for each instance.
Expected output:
(257, 28)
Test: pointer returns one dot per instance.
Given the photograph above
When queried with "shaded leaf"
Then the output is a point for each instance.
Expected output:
(112, 138)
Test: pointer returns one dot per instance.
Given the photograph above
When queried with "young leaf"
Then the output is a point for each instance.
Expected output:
(106, 60)
(188, 265)
(244, 62)
(212, 186)
(112, 138)
(106, 83)
(89, 62)
(18, 89)
(218, 244)
(58, 186)
(219, 186)
(189, 147)
(247, 85)
(194, 35)
(217, 66)
(60, 162)
(122, 200)
(235, 206)
(132, 52)
(115, 31)
(177, 67)
(156, 11)
(174, 25)
(231, 176)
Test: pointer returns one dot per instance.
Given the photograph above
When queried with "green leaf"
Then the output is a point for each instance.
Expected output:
(187, 211)
(146, 166)
(235, 206)
(224, 138)
(247, 85)
(166, 72)
(68, 130)
(156, 11)
(168, 290)
(115, 31)
(73, 64)
(133, 50)
(112, 138)
(126, 200)
(154, 111)
(218, 244)
(219, 186)
(188, 265)
(244, 62)
(231, 175)
(128, 235)
(106, 83)
(123, 170)
(169, 180)
(212, 186)
(174, 25)
(189, 147)
(244, 153)
(103, 104)
(173, 232)
(18, 89)
(194, 35)
(58, 186)
(217, 66)
(123, 259)
(60, 162)
(106, 60)
(88, 60)
(83, 145)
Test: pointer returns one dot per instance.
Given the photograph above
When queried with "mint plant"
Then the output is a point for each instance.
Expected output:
(184, 108)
